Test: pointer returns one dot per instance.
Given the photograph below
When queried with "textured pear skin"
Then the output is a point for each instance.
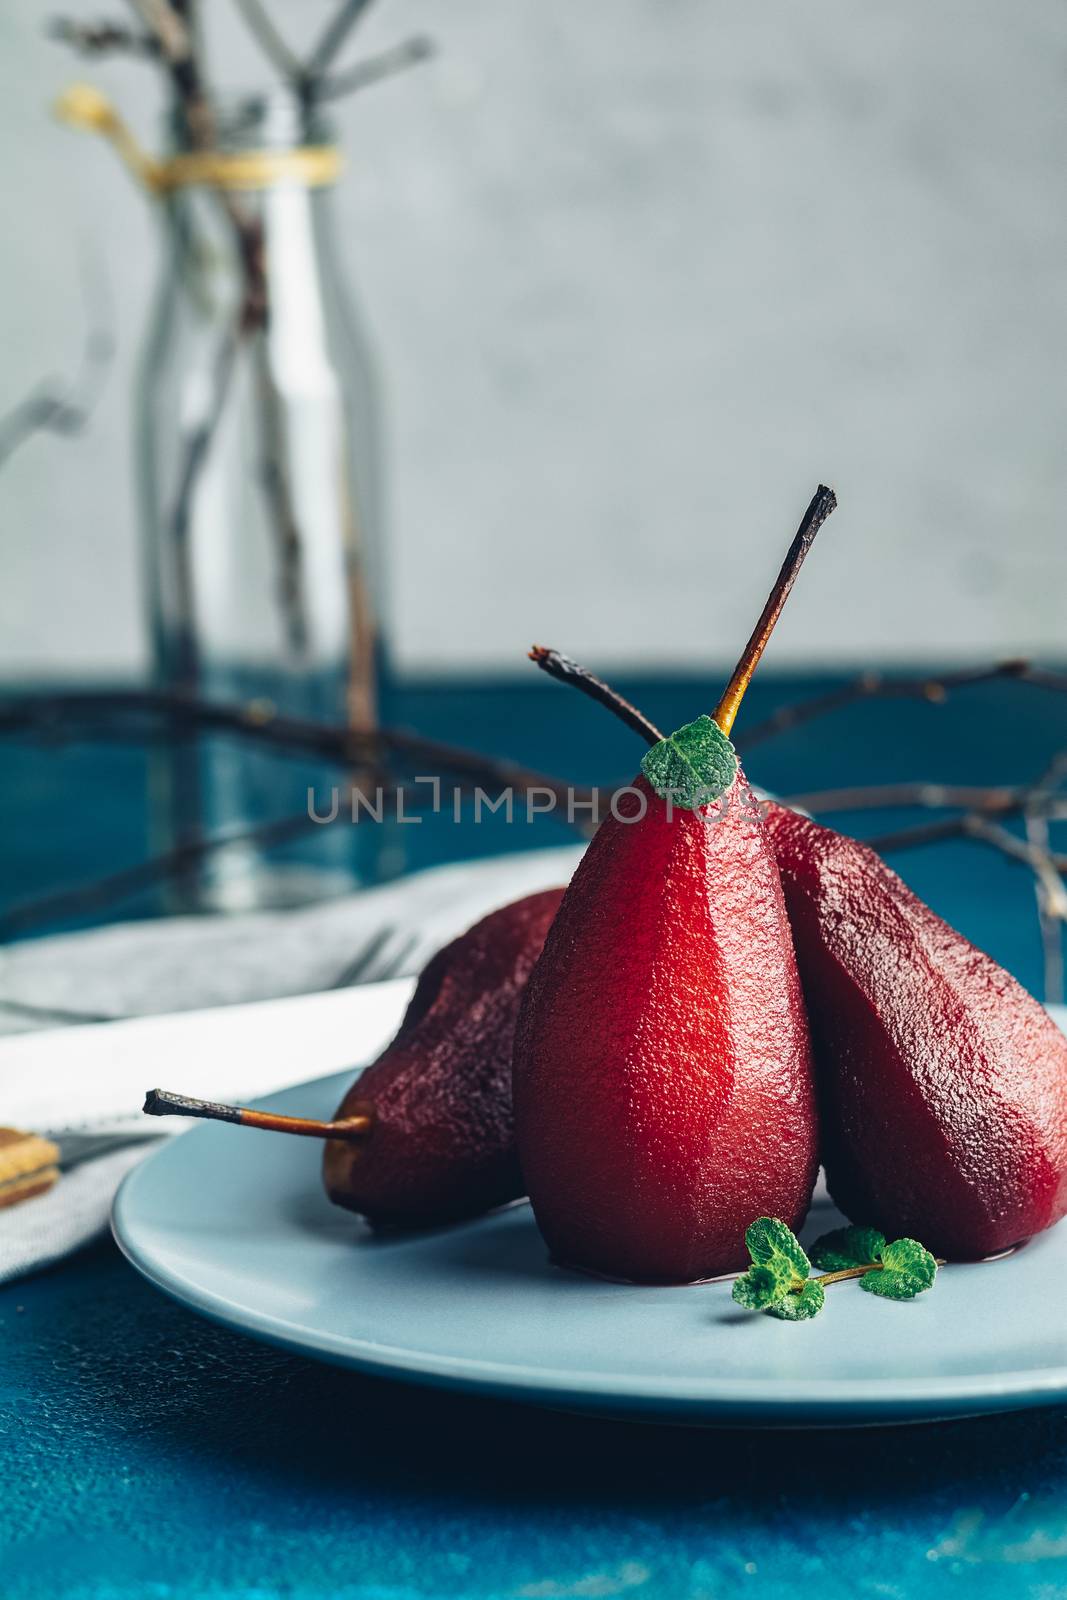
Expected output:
(942, 1083)
(662, 1081)
(442, 1144)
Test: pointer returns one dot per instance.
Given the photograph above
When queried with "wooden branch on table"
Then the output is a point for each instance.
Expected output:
(1049, 895)
(1001, 800)
(95, 895)
(1037, 802)
(140, 713)
(102, 892)
(883, 686)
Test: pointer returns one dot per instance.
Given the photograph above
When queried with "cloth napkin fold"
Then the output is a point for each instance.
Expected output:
(92, 1078)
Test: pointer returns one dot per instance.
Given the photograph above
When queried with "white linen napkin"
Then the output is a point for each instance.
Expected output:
(93, 1078)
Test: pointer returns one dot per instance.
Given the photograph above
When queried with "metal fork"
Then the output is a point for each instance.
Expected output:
(384, 956)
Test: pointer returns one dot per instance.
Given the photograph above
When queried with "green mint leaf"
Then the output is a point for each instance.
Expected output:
(693, 766)
(769, 1241)
(799, 1305)
(761, 1286)
(907, 1270)
(847, 1247)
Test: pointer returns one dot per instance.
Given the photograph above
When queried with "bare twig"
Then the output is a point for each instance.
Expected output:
(883, 686)
(999, 800)
(333, 37)
(968, 826)
(409, 53)
(54, 407)
(190, 854)
(281, 512)
(142, 715)
(102, 38)
(263, 29)
(165, 24)
(124, 884)
(176, 36)
(1051, 898)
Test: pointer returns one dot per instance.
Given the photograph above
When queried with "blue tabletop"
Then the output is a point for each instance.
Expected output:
(149, 1453)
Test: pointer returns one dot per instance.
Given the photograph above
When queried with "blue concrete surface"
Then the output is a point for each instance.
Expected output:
(146, 1453)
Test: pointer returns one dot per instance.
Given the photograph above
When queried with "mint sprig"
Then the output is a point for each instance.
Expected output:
(847, 1247)
(779, 1267)
(779, 1280)
(693, 766)
(907, 1270)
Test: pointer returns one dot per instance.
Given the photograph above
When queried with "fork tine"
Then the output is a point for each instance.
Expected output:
(392, 959)
(356, 969)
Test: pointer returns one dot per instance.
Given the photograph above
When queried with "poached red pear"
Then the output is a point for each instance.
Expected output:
(424, 1135)
(442, 1141)
(662, 1080)
(662, 1074)
(942, 1083)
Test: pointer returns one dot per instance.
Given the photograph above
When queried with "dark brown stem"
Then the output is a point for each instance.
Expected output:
(922, 834)
(126, 710)
(969, 826)
(160, 1103)
(998, 801)
(822, 503)
(99, 893)
(84, 898)
(564, 670)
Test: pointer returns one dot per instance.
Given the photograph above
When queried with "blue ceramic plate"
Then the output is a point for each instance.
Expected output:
(234, 1224)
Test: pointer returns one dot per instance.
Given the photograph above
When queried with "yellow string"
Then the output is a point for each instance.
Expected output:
(82, 106)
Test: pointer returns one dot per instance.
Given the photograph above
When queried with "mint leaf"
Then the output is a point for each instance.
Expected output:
(907, 1269)
(761, 1286)
(693, 766)
(799, 1305)
(769, 1240)
(847, 1247)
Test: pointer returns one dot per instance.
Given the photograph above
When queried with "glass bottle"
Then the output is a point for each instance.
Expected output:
(261, 505)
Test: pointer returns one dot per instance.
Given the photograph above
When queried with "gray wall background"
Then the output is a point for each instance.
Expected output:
(640, 272)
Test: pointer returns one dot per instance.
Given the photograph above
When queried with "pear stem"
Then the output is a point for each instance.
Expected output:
(564, 670)
(823, 501)
(160, 1103)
